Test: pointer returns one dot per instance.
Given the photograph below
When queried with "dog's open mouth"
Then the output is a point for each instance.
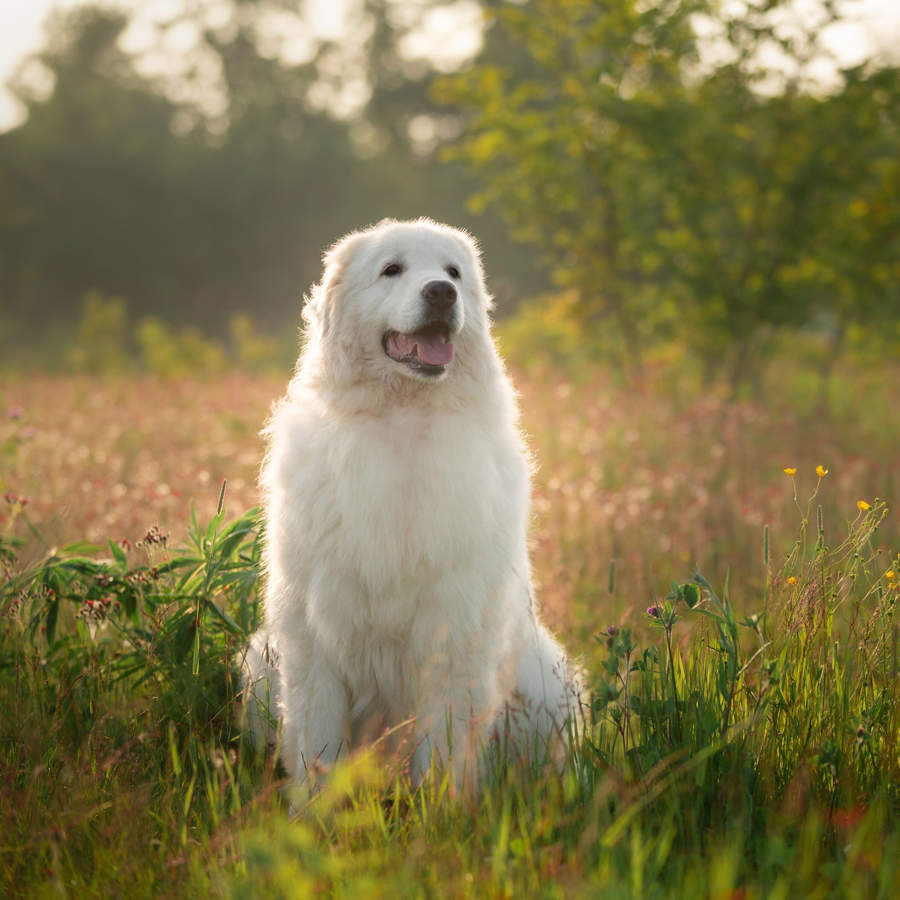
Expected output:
(428, 350)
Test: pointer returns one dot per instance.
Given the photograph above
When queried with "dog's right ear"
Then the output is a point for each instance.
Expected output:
(324, 298)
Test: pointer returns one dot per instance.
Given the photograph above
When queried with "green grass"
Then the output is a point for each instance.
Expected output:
(727, 753)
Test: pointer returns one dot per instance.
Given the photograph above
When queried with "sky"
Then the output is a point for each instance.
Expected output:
(871, 26)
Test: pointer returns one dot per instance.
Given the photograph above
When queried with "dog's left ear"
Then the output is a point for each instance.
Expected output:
(474, 250)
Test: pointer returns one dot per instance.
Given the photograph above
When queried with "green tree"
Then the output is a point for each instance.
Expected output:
(678, 196)
(130, 186)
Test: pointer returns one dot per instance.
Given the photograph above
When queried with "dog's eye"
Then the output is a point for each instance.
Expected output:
(392, 270)
(453, 272)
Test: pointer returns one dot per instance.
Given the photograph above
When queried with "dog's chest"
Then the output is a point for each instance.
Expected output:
(417, 488)
(413, 500)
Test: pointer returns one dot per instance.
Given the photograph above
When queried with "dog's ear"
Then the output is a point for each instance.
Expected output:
(472, 247)
(322, 301)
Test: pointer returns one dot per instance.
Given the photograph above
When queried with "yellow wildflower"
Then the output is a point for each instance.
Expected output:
(790, 470)
(862, 505)
(792, 580)
(821, 471)
(889, 574)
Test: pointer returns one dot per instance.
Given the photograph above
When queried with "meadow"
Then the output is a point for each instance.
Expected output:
(726, 569)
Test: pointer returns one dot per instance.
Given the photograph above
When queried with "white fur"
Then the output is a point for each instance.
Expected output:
(398, 582)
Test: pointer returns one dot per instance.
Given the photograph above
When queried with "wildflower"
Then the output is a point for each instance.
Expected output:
(653, 611)
(790, 470)
(862, 505)
(791, 580)
(15, 604)
(96, 610)
(821, 471)
(137, 577)
(889, 575)
(155, 535)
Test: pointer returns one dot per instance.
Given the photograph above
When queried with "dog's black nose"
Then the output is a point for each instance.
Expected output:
(439, 295)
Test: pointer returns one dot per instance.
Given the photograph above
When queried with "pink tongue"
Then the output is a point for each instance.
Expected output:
(432, 348)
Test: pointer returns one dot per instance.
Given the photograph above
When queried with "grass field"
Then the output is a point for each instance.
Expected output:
(745, 733)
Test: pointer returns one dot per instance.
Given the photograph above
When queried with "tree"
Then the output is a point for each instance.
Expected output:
(682, 196)
(125, 184)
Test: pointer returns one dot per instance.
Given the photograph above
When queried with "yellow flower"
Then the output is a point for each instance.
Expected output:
(792, 580)
(790, 470)
(889, 574)
(821, 471)
(862, 505)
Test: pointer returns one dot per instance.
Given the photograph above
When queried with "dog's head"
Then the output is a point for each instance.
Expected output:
(400, 299)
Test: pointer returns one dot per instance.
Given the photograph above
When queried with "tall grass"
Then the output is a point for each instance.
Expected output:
(728, 752)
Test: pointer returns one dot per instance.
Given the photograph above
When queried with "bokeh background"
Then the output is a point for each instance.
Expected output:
(690, 216)
(708, 173)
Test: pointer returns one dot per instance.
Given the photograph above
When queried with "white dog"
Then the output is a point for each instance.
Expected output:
(396, 488)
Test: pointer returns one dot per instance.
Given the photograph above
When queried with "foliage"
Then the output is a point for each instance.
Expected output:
(754, 753)
(719, 202)
(174, 355)
(118, 673)
(253, 351)
(101, 335)
(106, 343)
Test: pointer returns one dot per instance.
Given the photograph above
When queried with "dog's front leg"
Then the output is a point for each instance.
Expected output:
(448, 736)
(315, 710)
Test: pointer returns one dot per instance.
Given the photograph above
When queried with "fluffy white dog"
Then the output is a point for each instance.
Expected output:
(396, 489)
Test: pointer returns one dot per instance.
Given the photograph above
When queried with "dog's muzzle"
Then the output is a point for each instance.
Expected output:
(428, 350)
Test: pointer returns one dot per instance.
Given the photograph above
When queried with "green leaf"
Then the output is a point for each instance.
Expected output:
(52, 617)
(79, 548)
(690, 592)
(118, 555)
(195, 666)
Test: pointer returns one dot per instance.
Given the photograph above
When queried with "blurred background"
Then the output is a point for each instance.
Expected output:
(701, 182)
(690, 214)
